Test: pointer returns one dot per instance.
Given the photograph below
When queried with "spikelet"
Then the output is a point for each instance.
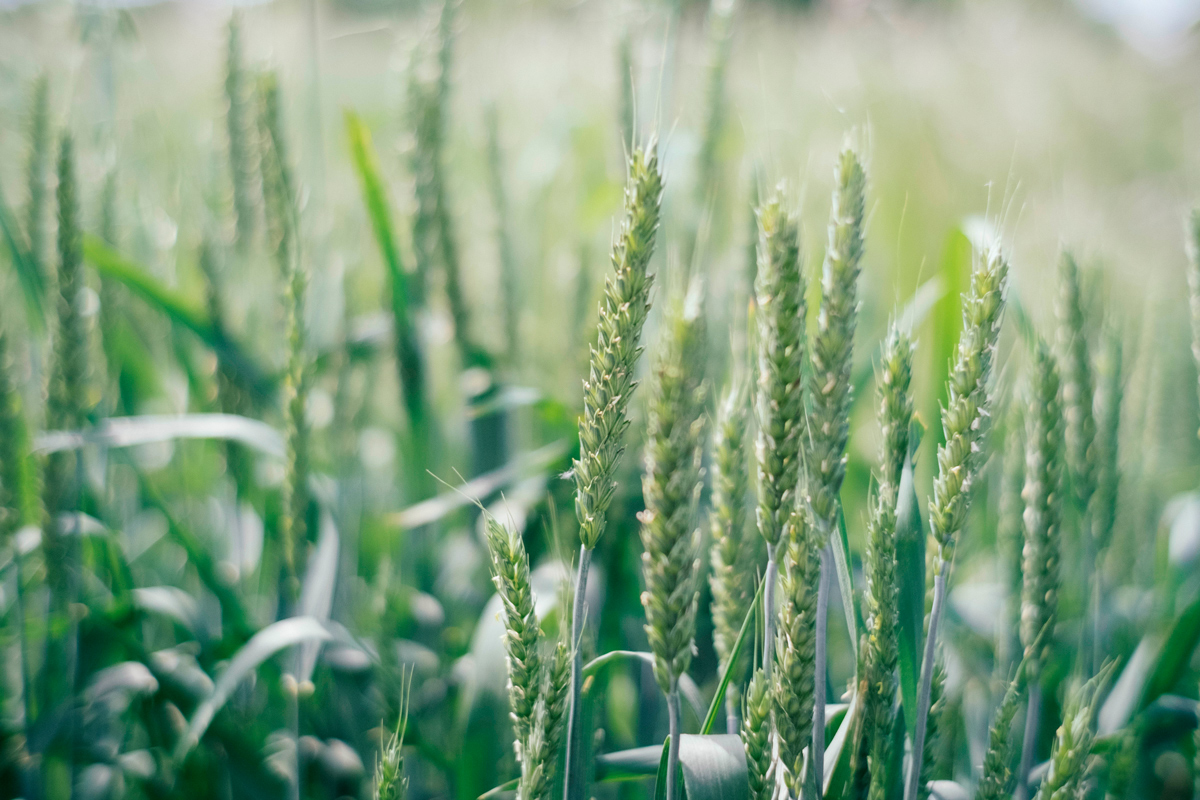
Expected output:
(1043, 505)
(1078, 384)
(510, 573)
(965, 416)
(40, 153)
(67, 403)
(756, 736)
(882, 650)
(733, 551)
(1010, 531)
(510, 278)
(829, 384)
(795, 649)
(1109, 392)
(1072, 750)
(541, 753)
(390, 782)
(780, 399)
(557, 694)
(610, 383)
(278, 188)
(997, 775)
(671, 486)
(239, 127)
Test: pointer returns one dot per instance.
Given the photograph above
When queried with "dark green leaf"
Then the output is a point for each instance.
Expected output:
(714, 708)
(910, 578)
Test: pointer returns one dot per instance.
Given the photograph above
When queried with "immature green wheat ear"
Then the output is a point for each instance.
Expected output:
(282, 214)
(965, 417)
(671, 486)
(795, 649)
(41, 147)
(996, 781)
(1043, 505)
(756, 736)
(510, 573)
(733, 554)
(829, 385)
(882, 650)
(390, 782)
(610, 383)
(780, 312)
(239, 128)
(1078, 384)
(1072, 751)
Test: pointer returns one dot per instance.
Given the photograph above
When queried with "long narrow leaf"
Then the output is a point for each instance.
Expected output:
(714, 708)
(845, 579)
(151, 428)
(714, 767)
(178, 308)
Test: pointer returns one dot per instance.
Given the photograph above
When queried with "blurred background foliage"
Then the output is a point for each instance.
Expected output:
(1054, 123)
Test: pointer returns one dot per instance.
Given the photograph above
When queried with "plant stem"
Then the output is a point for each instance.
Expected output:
(1029, 743)
(573, 771)
(733, 720)
(771, 578)
(673, 747)
(817, 749)
(926, 687)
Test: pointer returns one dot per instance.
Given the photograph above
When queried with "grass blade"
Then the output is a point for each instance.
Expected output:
(714, 767)
(179, 309)
(151, 428)
(714, 708)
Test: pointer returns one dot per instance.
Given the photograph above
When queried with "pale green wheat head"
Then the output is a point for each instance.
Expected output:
(671, 486)
(780, 311)
(1042, 518)
(1072, 750)
(610, 383)
(796, 649)
(966, 413)
(829, 385)
(1109, 395)
(756, 736)
(1078, 383)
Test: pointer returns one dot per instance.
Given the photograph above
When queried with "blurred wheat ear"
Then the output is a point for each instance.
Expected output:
(41, 147)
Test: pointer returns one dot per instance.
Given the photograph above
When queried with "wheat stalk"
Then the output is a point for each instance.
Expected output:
(606, 394)
(1044, 456)
(779, 401)
(1078, 384)
(964, 423)
(882, 646)
(239, 128)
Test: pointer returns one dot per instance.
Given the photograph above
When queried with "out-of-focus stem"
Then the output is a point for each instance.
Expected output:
(926, 685)
(573, 778)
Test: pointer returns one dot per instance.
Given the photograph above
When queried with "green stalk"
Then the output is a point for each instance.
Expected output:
(606, 392)
(239, 128)
(40, 153)
(510, 280)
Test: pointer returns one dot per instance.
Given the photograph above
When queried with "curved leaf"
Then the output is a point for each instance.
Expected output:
(149, 428)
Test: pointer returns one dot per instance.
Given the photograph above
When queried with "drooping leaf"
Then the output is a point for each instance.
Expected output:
(838, 755)
(151, 428)
(714, 767)
(264, 644)
(1175, 655)
(845, 579)
(178, 308)
(316, 593)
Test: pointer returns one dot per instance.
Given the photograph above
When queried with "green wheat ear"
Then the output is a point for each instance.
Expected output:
(41, 147)
(610, 382)
(1109, 396)
(882, 650)
(733, 554)
(671, 486)
(1078, 384)
(830, 385)
(1043, 505)
(793, 688)
(510, 573)
(239, 128)
(1072, 750)
(965, 416)
(390, 782)
(756, 736)
(780, 312)
(18, 490)
(997, 774)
